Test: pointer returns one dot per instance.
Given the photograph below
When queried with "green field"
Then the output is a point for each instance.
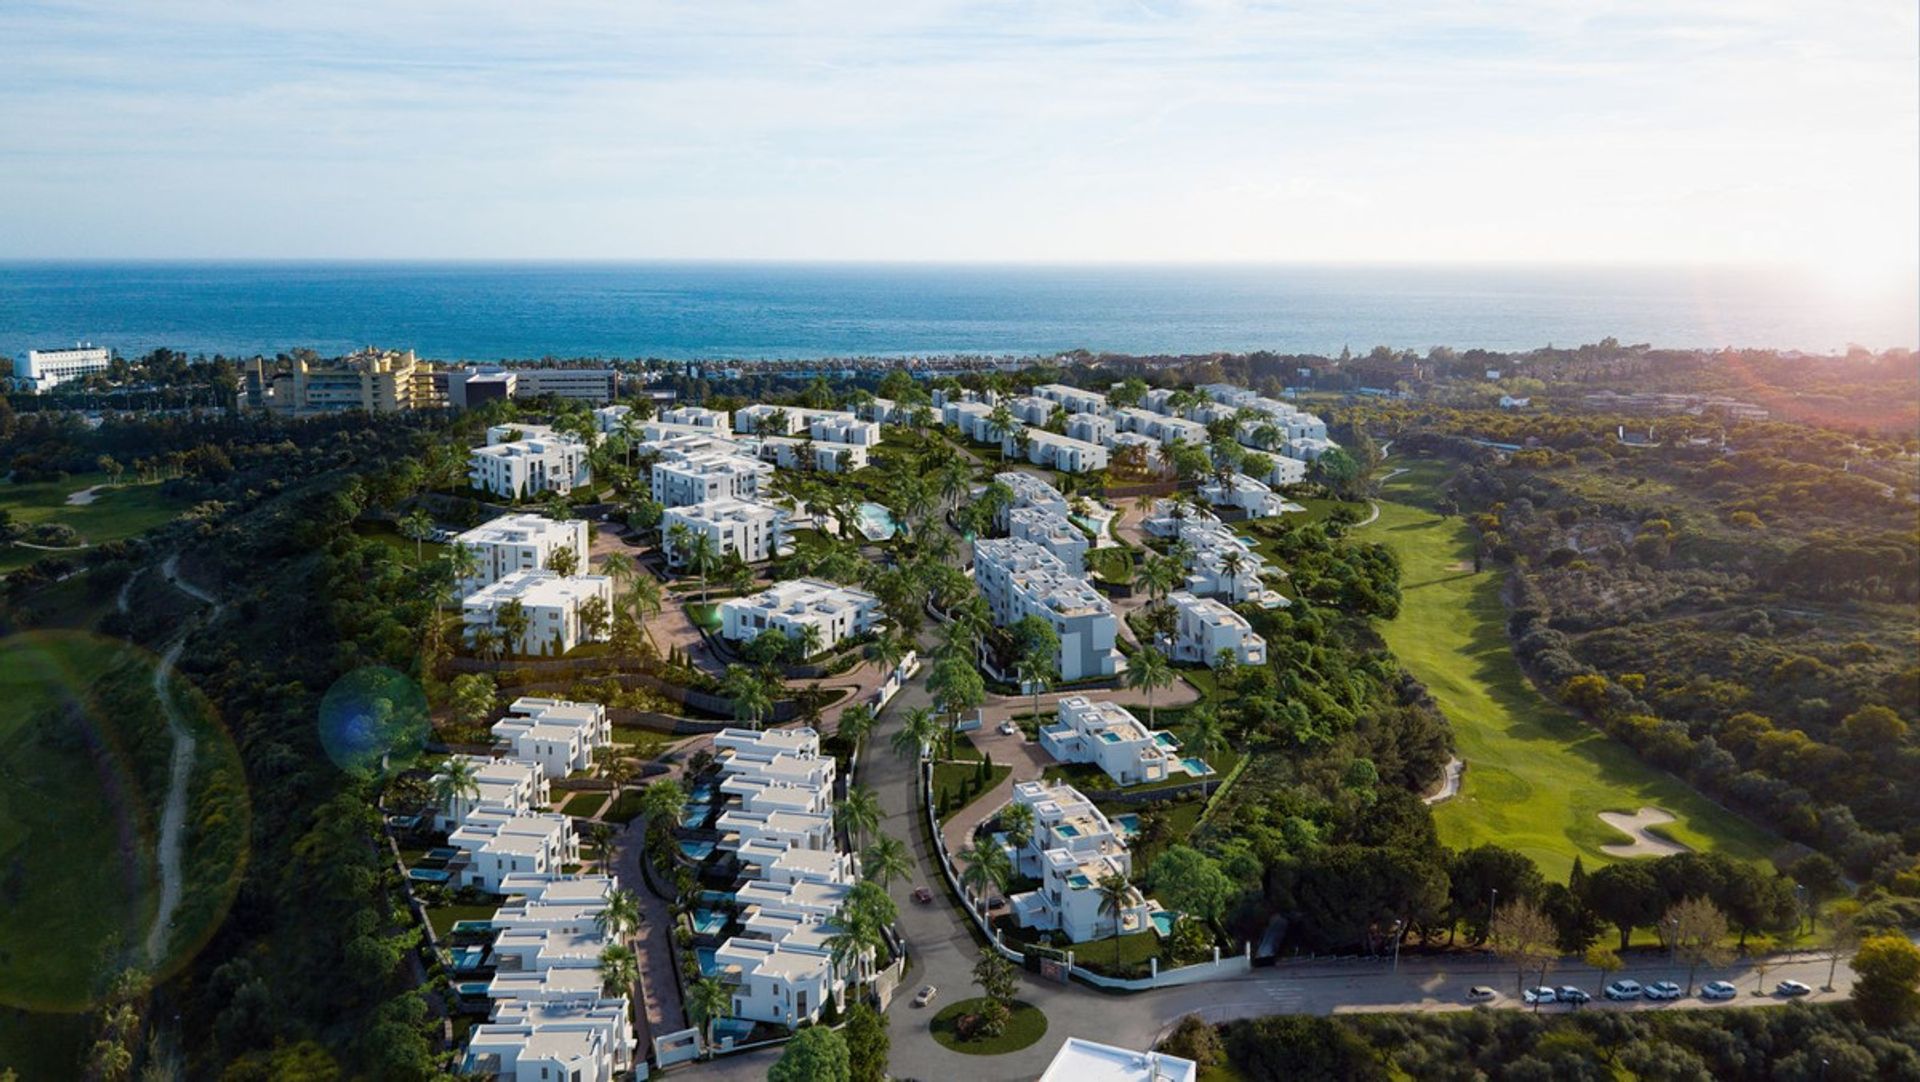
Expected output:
(1536, 776)
(114, 514)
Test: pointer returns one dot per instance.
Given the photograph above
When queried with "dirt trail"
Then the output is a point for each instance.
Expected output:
(173, 819)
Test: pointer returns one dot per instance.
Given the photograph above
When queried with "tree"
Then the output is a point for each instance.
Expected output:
(1116, 896)
(1017, 821)
(619, 968)
(1626, 896)
(815, 1054)
(886, 860)
(512, 620)
(1845, 935)
(621, 916)
(859, 812)
(1147, 670)
(458, 780)
(595, 615)
(751, 702)
(1694, 931)
(1607, 961)
(856, 722)
(1037, 647)
(1522, 935)
(707, 1000)
(1886, 986)
(957, 687)
(868, 1045)
(997, 978)
(563, 561)
(987, 869)
(1478, 877)
(416, 526)
(1188, 881)
(1204, 734)
(472, 696)
(917, 732)
(663, 802)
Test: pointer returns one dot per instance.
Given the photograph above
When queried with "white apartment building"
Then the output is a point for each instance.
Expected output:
(1285, 471)
(1043, 527)
(539, 461)
(1220, 564)
(578, 384)
(1238, 490)
(1120, 440)
(1031, 491)
(740, 828)
(46, 369)
(789, 453)
(609, 419)
(494, 846)
(550, 603)
(1205, 627)
(781, 983)
(755, 530)
(684, 476)
(837, 613)
(1073, 848)
(1063, 453)
(558, 735)
(972, 419)
(1161, 427)
(582, 1040)
(1107, 735)
(518, 543)
(770, 420)
(844, 428)
(503, 787)
(714, 421)
(1031, 409)
(1081, 1060)
(1073, 399)
(1019, 578)
(1091, 427)
(1168, 518)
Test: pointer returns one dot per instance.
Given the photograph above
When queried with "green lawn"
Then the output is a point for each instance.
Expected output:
(704, 615)
(389, 535)
(642, 744)
(116, 513)
(950, 780)
(1536, 777)
(585, 803)
(1026, 1025)
(443, 917)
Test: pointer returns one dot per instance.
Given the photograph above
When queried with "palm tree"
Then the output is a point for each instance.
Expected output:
(809, 638)
(511, 619)
(489, 643)
(457, 780)
(462, 562)
(1116, 895)
(1159, 575)
(1001, 421)
(619, 968)
(416, 526)
(707, 1000)
(1017, 820)
(679, 537)
(1233, 563)
(620, 567)
(987, 869)
(751, 703)
(860, 812)
(852, 945)
(1146, 671)
(856, 722)
(663, 802)
(599, 834)
(1203, 734)
(704, 557)
(917, 732)
(1037, 669)
(870, 900)
(886, 860)
(621, 917)
(954, 479)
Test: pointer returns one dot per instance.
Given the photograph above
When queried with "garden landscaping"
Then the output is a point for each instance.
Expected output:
(1025, 1025)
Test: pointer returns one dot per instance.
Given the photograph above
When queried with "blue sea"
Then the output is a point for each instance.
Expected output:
(480, 311)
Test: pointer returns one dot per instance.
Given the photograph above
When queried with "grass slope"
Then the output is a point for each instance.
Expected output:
(114, 514)
(1537, 777)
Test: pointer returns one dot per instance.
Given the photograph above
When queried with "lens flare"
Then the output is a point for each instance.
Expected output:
(374, 721)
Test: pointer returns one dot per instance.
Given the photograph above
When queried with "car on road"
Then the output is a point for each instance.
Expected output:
(1718, 990)
(1624, 990)
(923, 895)
(925, 995)
(1542, 994)
(1008, 728)
(996, 903)
(1480, 993)
(1663, 990)
(1575, 996)
(1792, 988)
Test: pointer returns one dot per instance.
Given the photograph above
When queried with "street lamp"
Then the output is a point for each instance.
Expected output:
(1492, 900)
(1396, 945)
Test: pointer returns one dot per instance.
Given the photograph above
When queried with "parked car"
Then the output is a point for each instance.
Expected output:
(1575, 996)
(925, 995)
(1663, 990)
(1480, 993)
(996, 903)
(1792, 988)
(1624, 990)
(1718, 990)
(1542, 994)
(1008, 728)
(923, 895)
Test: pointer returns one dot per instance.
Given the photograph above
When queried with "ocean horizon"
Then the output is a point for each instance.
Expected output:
(487, 311)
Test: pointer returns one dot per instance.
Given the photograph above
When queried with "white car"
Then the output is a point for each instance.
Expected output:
(1480, 993)
(1718, 990)
(1663, 990)
(1792, 988)
(925, 996)
(1008, 728)
(1624, 990)
(1542, 994)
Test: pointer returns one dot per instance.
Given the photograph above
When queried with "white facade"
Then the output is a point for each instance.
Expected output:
(1073, 848)
(1051, 532)
(844, 428)
(1019, 578)
(1091, 427)
(502, 787)
(781, 983)
(685, 477)
(1081, 1060)
(588, 1040)
(609, 419)
(1031, 409)
(1218, 562)
(1063, 453)
(551, 604)
(1107, 735)
(1243, 492)
(540, 461)
(494, 846)
(519, 543)
(46, 369)
(1161, 427)
(770, 420)
(558, 735)
(838, 613)
(754, 530)
(1073, 399)
(972, 419)
(1031, 491)
(1204, 627)
(714, 421)
(790, 453)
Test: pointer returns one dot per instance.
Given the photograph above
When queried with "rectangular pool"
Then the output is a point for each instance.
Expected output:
(443, 854)
(1067, 830)
(429, 875)
(738, 1029)
(1197, 767)
(697, 849)
(707, 965)
(1163, 921)
(1166, 740)
(708, 921)
(1078, 881)
(1128, 825)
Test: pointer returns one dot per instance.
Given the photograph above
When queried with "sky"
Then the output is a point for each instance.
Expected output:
(1660, 131)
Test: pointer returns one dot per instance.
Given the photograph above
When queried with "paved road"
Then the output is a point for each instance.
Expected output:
(173, 817)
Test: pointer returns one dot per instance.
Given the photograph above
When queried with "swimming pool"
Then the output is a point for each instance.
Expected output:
(707, 965)
(697, 850)
(1067, 830)
(468, 958)
(708, 921)
(1109, 736)
(443, 854)
(695, 815)
(701, 793)
(737, 1029)
(1128, 824)
(1163, 921)
(1196, 766)
(1078, 881)
(1166, 740)
(472, 927)
(429, 875)
(876, 523)
(713, 899)
(472, 989)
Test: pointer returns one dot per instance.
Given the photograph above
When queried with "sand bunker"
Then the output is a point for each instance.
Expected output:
(84, 497)
(1645, 843)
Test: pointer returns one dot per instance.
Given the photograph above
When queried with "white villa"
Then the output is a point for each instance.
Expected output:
(770, 420)
(1020, 578)
(1031, 491)
(836, 613)
(1081, 1060)
(681, 479)
(550, 603)
(1204, 627)
(715, 421)
(503, 786)
(539, 461)
(580, 1040)
(1031, 409)
(518, 543)
(1161, 427)
(790, 453)
(753, 529)
(1243, 492)
(494, 846)
(784, 983)
(971, 418)
(1063, 453)
(740, 828)
(1091, 427)
(1047, 529)
(844, 428)
(1107, 735)
(558, 735)
(1073, 399)
(1073, 848)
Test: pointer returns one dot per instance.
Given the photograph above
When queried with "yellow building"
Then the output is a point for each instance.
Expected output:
(369, 381)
